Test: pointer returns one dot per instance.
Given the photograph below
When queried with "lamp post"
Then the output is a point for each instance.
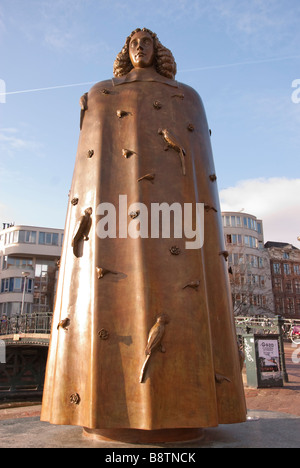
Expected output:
(25, 274)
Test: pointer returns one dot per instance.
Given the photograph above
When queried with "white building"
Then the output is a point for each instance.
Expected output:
(249, 264)
(28, 269)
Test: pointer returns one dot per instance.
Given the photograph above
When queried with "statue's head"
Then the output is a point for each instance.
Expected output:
(143, 49)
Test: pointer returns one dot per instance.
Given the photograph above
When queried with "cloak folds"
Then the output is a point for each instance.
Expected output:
(113, 289)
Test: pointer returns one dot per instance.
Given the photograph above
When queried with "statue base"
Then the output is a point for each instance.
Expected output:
(139, 436)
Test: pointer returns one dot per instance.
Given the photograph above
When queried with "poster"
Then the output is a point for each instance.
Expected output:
(269, 360)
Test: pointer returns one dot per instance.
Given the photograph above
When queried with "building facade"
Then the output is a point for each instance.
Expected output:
(249, 265)
(285, 270)
(28, 269)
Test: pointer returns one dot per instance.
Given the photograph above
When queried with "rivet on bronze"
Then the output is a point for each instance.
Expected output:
(90, 153)
(193, 285)
(64, 323)
(213, 177)
(191, 127)
(157, 105)
(175, 250)
(103, 334)
(150, 177)
(134, 214)
(225, 254)
(74, 201)
(208, 208)
(127, 153)
(105, 91)
(75, 399)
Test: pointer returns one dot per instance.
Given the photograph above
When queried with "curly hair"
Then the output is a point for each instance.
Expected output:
(164, 62)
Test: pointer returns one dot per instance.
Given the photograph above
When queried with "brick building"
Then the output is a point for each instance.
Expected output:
(285, 272)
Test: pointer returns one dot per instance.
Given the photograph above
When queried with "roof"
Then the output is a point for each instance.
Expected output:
(279, 245)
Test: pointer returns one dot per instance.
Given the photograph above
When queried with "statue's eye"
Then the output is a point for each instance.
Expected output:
(133, 43)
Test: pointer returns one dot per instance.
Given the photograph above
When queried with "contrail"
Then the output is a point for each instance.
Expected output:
(209, 67)
(48, 88)
(248, 62)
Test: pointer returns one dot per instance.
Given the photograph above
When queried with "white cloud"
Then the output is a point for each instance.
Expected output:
(11, 141)
(275, 200)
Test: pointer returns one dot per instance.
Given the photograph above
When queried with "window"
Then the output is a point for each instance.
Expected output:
(278, 284)
(250, 223)
(297, 287)
(286, 269)
(44, 286)
(286, 255)
(16, 285)
(279, 306)
(11, 309)
(288, 286)
(14, 262)
(251, 241)
(290, 305)
(229, 239)
(48, 238)
(297, 269)
(276, 268)
(235, 239)
(26, 237)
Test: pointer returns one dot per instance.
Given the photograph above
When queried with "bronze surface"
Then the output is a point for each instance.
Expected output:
(93, 369)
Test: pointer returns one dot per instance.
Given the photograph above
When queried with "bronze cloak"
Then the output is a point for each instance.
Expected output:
(94, 364)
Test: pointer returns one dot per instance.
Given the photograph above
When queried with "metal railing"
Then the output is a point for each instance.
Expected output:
(32, 323)
(265, 326)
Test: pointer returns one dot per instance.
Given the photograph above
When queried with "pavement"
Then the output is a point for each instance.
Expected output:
(273, 421)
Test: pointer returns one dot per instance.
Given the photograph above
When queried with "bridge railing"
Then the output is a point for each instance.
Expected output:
(32, 323)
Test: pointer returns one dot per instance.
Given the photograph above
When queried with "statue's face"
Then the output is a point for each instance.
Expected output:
(141, 50)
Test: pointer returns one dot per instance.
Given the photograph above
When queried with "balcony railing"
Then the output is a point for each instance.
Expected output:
(32, 323)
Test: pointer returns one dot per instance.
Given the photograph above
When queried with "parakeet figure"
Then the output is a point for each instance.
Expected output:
(154, 340)
(82, 231)
(172, 142)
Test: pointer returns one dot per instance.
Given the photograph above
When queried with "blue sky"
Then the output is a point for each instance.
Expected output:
(242, 58)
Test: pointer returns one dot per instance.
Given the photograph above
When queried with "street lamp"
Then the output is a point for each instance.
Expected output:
(25, 274)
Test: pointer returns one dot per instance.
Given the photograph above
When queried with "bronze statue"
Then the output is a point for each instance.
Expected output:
(197, 382)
